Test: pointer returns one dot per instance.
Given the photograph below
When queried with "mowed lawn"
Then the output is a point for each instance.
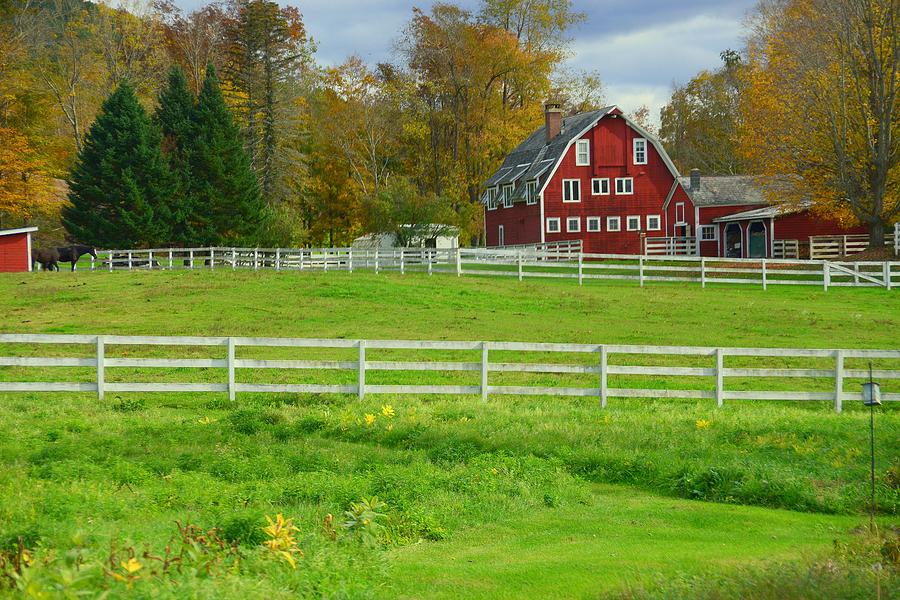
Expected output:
(519, 497)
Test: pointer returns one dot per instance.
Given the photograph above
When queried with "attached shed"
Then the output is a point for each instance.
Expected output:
(15, 250)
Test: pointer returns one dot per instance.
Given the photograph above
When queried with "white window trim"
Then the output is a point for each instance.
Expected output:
(491, 198)
(611, 220)
(564, 182)
(501, 236)
(679, 206)
(634, 151)
(708, 227)
(569, 224)
(508, 190)
(588, 224)
(531, 192)
(601, 192)
(632, 218)
(583, 144)
(624, 179)
(558, 225)
(658, 223)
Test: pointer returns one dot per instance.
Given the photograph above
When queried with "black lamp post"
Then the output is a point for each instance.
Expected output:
(872, 398)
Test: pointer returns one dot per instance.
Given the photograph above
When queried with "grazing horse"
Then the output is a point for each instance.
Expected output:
(47, 257)
(74, 252)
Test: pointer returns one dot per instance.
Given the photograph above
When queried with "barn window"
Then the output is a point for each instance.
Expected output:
(600, 186)
(613, 224)
(640, 151)
(571, 190)
(653, 223)
(633, 223)
(679, 214)
(582, 153)
(624, 186)
(553, 225)
(531, 192)
(491, 198)
(593, 223)
(573, 224)
(708, 233)
(508, 195)
(501, 237)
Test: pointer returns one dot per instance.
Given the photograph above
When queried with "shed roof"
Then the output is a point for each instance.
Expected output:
(731, 190)
(20, 230)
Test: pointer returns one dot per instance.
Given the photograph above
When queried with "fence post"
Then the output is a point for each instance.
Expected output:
(641, 269)
(376, 261)
(603, 377)
(826, 275)
(887, 275)
(763, 273)
(361, 381)
(231, 390)
(458, 261)
(277, 259)
(92, 263)
(170, 259)
(233, 259)
(838, 379)
(191, 258)
(101, 363)
(429, 263)
(720, 377)
(580, 268)
(150, 260)
(129, 260)
(402, 266)
(484, 371)
(702, 272)
(212, 258)
(350, 260)
(256, 259)
(301, 259)
(111, 255)
(519, 261)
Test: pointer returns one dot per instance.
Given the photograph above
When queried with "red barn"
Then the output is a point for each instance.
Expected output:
(600, 178)
(15, 250)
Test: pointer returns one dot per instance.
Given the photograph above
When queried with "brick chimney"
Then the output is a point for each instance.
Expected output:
(553, 119)
(695, 179)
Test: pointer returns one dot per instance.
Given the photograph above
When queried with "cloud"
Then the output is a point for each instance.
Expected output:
(639, 67)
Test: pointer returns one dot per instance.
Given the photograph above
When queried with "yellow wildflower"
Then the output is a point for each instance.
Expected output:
(387, 410)
(703, 424)
(370, 419)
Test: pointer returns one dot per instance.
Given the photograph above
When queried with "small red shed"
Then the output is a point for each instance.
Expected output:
(15, 249)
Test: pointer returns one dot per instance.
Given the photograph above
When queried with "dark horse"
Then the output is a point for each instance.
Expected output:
(47, 257)
(74, 252)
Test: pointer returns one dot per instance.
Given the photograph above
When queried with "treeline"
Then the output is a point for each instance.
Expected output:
(334, 152)
(813, 95)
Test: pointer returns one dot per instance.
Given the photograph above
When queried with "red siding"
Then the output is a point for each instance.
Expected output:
(521, 224)
(801, 225)
(14, 253)
(611, 146)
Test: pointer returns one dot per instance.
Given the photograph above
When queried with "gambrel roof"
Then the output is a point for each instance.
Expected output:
(536, 159)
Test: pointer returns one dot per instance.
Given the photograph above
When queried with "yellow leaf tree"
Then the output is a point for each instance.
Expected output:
(821, 102)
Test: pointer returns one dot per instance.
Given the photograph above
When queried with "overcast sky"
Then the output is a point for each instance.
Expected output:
(640, 47)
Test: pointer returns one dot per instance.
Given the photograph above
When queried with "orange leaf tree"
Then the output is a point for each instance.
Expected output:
(821, 102)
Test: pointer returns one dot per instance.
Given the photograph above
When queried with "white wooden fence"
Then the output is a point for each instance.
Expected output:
(708, 381)
(520, 263)
(786, 249)
(896, 239)
(670, 246)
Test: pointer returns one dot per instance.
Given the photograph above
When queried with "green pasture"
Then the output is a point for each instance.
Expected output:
(516, 497)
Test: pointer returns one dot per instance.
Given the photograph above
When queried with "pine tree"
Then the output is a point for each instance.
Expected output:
(225, 190)
(120, 186)
(174, 117)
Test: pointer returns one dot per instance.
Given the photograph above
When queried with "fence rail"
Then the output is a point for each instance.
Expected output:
(517, 262)
(595, 363)
(836, 246)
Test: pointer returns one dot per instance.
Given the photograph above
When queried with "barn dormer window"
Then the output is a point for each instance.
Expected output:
(531, 192)
(492, 198)
(508, 195)
(640, 151)
(582, 153)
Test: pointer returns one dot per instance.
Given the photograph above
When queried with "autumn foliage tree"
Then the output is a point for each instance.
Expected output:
(821, 102)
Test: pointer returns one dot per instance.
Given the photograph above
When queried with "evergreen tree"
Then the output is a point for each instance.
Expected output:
(174, 116)
(120, 186)
(229, 206)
